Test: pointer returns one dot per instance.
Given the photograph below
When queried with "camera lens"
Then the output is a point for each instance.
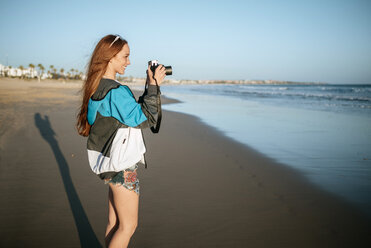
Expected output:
(168, 70)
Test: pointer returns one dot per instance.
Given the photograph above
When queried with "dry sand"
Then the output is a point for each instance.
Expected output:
(201, 189)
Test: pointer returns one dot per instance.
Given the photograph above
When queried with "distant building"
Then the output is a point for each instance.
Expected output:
(2, 70)
(6, 71)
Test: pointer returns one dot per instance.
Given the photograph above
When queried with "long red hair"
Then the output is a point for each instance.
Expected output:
(103, 52)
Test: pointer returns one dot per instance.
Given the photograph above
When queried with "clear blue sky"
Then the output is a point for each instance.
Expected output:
(305, 41)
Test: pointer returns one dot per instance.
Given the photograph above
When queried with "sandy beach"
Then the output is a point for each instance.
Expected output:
(201, 189)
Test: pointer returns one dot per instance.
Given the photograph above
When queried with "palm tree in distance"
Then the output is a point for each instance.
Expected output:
(8, 71)
(41, 67)
(32, 66)
(76, 74)
(72, 70)
(21, 68)
(51, 67)
(79, 73)
(62, 72)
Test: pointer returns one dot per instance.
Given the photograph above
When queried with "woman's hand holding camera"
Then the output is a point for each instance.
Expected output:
(159, 75)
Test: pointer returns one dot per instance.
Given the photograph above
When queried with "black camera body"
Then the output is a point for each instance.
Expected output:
(154, 64)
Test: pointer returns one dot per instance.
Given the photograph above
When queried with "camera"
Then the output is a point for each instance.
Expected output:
(154, 64)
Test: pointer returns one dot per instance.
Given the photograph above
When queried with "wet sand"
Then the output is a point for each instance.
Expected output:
(201, 189)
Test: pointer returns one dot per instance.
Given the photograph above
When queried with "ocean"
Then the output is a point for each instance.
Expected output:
(323, 131)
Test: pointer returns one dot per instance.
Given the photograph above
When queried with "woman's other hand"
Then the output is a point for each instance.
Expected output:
(159, 75)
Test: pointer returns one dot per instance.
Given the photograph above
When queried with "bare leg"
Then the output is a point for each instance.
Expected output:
(126, 204)
(113, 221)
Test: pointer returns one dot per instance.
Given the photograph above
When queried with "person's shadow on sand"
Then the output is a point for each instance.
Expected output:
(86, 233)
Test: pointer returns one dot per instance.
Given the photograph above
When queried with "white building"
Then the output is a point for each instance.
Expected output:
(2, 70)
(16, 72)
(8, 71)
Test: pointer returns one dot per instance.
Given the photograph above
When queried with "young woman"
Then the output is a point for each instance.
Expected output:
(112, 119)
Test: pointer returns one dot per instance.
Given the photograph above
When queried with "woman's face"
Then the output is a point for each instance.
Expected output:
(119, 62)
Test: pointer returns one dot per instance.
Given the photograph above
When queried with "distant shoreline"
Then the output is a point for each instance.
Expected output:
(141, 81)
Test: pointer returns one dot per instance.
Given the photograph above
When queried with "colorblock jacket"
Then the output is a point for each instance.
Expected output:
(115, 141)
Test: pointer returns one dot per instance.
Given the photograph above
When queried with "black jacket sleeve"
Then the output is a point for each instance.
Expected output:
(150, 104)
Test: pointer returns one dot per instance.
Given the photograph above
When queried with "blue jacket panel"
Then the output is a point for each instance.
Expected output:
(120, 104)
